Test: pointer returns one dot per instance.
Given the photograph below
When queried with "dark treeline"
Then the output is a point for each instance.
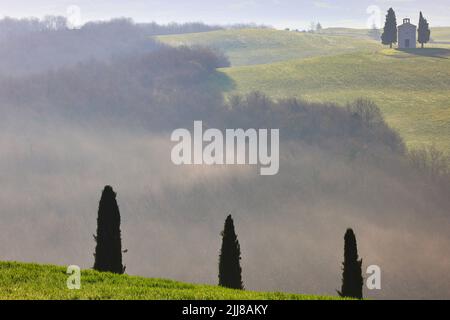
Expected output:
(159, 90)
(359, 123)
(34, 45)
(10, 27)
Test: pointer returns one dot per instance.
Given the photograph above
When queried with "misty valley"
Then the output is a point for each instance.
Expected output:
(127, 126)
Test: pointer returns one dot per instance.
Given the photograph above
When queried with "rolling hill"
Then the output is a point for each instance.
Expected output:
(33, 281)
(441, 34)
(412, 89)
(350, 32)
(261, 46)
(339, 65)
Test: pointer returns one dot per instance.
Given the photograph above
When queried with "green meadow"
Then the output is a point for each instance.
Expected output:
(49, 282)
(261, 46)
(412, 90)
(339, 65)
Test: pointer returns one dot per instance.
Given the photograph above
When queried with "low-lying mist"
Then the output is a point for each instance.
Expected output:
(290, 226)
(66, 134)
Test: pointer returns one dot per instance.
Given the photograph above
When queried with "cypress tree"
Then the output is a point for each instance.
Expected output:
(108, 251)
(352, 280)
(230, 256)
(423, 31)
(389, 35)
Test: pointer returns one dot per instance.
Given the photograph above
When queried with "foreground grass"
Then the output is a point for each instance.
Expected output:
(34, 281)
(412, 88)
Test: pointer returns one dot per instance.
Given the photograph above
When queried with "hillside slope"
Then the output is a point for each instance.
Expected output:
(412, 88)
(437, 33)
(33, 281)
(441, 34)
(340, 65)
(261, 46)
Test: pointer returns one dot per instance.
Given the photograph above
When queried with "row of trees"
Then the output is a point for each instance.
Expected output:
(389, 36)
(108, 250)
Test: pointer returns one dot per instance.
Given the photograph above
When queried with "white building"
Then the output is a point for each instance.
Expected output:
(407, 35)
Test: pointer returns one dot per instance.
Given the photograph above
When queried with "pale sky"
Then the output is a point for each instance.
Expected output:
(277, 13)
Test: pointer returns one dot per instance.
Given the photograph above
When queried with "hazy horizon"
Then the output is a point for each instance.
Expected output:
(276, 13)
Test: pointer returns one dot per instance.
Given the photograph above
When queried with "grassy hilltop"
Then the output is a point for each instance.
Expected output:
(34, 281)
(260, 46)
(339, 65)
(413, 91)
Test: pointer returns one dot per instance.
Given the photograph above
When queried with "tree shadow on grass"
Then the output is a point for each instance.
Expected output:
(225, 83)
(441, 53)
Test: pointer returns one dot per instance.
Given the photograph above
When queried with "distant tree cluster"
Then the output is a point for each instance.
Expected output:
(159, 90)
(247, 26)
(34, 45)
(315, 27)
(154, 28)
(14, 26)
(361, 121)
(433, 164)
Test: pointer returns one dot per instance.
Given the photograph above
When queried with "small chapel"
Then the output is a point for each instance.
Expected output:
(407, 35)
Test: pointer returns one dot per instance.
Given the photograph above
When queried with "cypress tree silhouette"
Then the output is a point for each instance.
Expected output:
(352, 280)
(423, 31)
(389, 35)
(230, 256)
(108, 251)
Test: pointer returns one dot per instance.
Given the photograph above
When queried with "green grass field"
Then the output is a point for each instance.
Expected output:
(358, 33)
(34, 281)
(339, 65)
(261, 46)
(438, 33)
(413, 90)
(441, 34)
